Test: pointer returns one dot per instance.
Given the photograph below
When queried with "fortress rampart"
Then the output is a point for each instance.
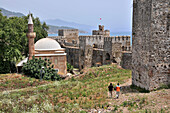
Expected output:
(93, 50)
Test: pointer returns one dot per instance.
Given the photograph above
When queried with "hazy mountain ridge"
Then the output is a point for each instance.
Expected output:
(10, 13)
(59, 22)
(52, 29)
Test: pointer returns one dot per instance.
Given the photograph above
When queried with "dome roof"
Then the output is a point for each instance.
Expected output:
(47, 44)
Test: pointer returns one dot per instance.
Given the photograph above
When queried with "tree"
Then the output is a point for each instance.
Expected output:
(13, 40)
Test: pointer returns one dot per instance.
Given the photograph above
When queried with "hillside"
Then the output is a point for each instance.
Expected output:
(10, 13)
(54, 29)
(84, 93)
(58, 22)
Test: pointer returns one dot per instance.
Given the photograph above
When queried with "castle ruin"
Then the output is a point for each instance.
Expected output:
(93, 50)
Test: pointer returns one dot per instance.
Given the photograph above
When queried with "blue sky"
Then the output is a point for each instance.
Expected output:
(115, 14)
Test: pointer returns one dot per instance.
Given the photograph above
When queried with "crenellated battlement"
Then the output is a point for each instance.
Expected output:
(108, 39)
(92, 37)
(117, 39)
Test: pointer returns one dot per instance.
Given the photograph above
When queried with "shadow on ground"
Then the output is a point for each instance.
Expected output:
(132, 89)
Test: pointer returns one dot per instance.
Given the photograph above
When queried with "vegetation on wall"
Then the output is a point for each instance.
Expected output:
(69, 68)
(33, 68)
(13, 40)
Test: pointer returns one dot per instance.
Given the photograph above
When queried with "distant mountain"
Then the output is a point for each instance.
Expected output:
(54, 29)
(10, 14)
(54, 25)
(58, 22)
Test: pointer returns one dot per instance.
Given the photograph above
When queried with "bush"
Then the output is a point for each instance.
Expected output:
(69, 68)
(7, 67)
(33, 67)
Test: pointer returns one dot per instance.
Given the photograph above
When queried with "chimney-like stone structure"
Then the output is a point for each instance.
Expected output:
(101, 31)
(101, 27)
(31, 35)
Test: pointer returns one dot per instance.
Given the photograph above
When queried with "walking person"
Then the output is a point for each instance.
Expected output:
(110, 87)
(117, 88)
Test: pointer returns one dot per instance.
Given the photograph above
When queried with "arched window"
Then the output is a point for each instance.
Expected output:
(126, 38)
(123, 48)
(94, 46)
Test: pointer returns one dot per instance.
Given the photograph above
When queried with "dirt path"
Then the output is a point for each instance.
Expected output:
(134, 101)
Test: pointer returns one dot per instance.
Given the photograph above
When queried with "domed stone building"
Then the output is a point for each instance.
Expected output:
(45, 48)
(51, 49)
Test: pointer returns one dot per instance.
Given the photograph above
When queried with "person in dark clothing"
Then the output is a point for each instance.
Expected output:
(110, 87)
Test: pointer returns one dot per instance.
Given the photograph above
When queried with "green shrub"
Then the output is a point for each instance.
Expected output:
(164, 86)
(69, 68)
(33, 67)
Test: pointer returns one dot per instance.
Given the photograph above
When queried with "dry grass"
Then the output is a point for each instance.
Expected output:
(84, 93)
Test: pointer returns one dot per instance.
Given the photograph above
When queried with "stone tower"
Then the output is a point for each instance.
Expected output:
(151, 43)
(31, 35)
(101, 31)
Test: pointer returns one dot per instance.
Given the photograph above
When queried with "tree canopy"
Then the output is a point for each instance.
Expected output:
(13, 40)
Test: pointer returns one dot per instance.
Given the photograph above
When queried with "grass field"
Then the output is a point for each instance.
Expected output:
(80, 94)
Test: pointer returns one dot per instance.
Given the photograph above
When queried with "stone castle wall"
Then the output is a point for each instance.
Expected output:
(73, 56)
(104, 33)
(96, 41)
(126, 61)
(69, 34)
(151, 42)
(98, 57)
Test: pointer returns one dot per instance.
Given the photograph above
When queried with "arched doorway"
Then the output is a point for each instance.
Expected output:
(123, 48)
(107, 56)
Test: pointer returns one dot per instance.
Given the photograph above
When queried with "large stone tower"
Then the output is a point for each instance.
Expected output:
(31, 35)
(151, 43)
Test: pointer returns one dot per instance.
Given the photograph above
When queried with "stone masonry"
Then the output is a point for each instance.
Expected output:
(151, 43)
(101, 31)
(93, 50)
